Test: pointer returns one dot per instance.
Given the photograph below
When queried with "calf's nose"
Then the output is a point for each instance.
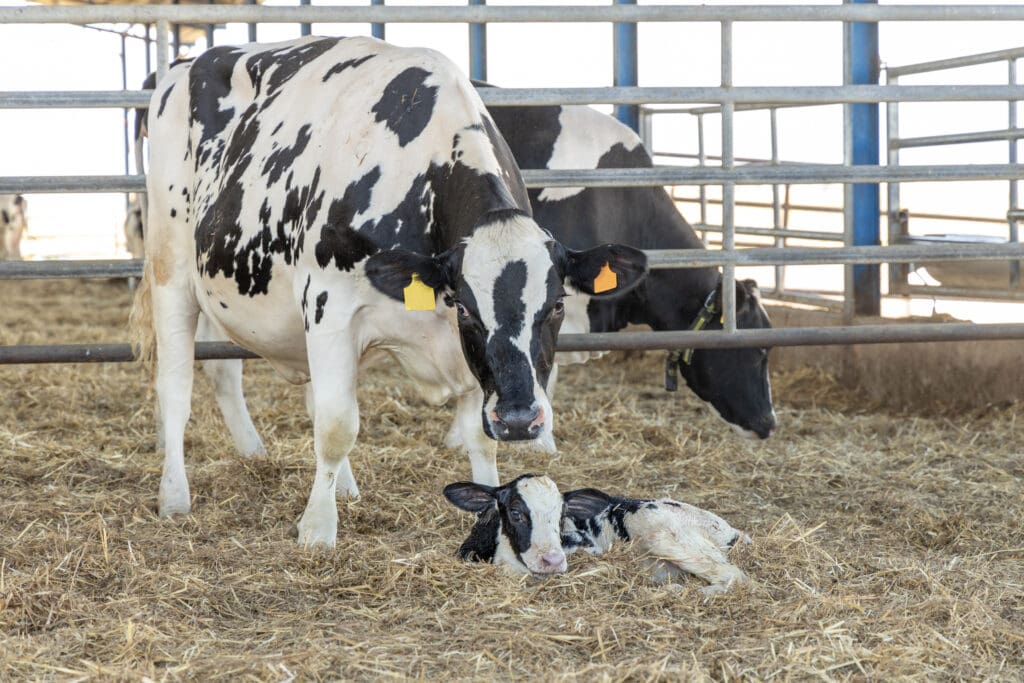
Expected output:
(553, 561)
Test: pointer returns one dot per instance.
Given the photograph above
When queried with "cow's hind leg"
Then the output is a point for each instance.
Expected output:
(467, 431)
(333, 368)
(174, 322)
(226, 377)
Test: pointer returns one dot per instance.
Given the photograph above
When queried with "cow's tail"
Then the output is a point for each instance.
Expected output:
(141, 130)
(140, 321)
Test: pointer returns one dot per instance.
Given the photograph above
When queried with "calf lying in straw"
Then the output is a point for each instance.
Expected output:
(518, 524)
(677, 538)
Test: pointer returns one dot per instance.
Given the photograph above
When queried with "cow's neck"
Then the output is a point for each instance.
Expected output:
(461, 199)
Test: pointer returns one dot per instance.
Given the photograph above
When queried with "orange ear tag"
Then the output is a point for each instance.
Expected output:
(418, 296)
(606, 279)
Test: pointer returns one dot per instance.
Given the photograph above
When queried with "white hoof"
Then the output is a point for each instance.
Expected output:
(347, 492)
(174, 499)
(253, 450)
(322, 535)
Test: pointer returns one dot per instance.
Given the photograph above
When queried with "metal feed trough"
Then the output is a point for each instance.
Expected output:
(860, 173)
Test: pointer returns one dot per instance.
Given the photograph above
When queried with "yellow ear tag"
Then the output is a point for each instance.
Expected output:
(418, 296)
(606, 279)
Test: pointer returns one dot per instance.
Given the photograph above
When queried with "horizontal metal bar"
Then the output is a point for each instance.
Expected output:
(957, 138)
(751, 96)
(33, 270)
(812, 174)
(772, 232)
(71, 183)
(74, 99)
(970, 293)
(804, 298)
(657, 259)
(610, 341)
(955, 62)
(216, 14)
(796, 256)
(760, 95)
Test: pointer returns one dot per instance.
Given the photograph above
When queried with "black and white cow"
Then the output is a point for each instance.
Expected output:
(734, 382)
(676, 538)
(519, 524)
(13, 223)
(298, 192)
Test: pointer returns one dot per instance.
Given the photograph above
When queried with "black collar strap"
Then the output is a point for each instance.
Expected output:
(706, 315)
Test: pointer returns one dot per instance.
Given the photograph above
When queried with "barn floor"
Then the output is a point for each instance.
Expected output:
(884, 546)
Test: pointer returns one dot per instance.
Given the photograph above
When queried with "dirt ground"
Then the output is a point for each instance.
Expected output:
(886, 546)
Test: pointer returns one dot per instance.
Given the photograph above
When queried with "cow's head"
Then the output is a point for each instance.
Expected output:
(518, 524)
(505, 282)
(734, 381)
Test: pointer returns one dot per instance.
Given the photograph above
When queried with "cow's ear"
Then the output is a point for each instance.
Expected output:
(607, 270)
(585, 503)
(470, 496)
(391, 271)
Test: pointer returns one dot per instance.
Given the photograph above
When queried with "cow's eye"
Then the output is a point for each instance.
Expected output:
(516, 516)
(462, 311)
(559, 307)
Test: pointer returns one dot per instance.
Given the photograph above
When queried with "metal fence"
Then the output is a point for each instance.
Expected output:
(728, 174)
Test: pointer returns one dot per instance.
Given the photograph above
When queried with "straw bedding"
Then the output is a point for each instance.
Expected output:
(885, 546)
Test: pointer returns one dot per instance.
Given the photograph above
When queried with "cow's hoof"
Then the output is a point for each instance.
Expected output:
(174, 498)
(316, 537)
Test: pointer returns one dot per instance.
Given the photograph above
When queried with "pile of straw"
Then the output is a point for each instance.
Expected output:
(884, 546)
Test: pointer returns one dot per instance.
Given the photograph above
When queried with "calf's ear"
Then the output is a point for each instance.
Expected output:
(470, 496)
(391, 271)
(606, 270)
(585, 503)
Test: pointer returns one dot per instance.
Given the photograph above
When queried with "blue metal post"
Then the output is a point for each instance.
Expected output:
(478, 48)
(863, 64)
(377, 30)
(252, 27)
(626, 68)
(304, 28)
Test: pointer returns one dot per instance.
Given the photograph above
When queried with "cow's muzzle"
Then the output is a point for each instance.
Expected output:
(517, 423)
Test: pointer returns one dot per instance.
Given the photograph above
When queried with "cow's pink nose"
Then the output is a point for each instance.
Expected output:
(554, 558)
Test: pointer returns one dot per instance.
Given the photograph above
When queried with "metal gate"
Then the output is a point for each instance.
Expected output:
(727, 98)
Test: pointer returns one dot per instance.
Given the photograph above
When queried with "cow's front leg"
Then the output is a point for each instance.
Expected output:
(346, 486)
(467, 431)
(174, 322)
(333, 367)
(226, 377)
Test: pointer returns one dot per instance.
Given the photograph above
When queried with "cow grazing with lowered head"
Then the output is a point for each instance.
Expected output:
(298, 193)
(734, 382)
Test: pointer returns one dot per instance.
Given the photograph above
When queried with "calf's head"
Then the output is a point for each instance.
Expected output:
(505, 282)
(518, 524)
(734, 382)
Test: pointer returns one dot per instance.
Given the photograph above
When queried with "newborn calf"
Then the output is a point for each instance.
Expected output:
(678, 538)
(518, 524)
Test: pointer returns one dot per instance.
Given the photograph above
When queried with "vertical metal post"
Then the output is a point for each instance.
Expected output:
(149, 46)
(626, 69)
(210, 28)
(252, 27)
(377, 30)
(898, 272)
(305, 28)
(1014, 199)
(780, 270)
(862, 48)
(702, 161)
(728, 188)
(478, 47)
(163, 28)
(124, 86)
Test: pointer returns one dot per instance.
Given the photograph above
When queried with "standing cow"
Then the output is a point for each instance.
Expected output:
(297, 191)
(734, 382)
(13, 224)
